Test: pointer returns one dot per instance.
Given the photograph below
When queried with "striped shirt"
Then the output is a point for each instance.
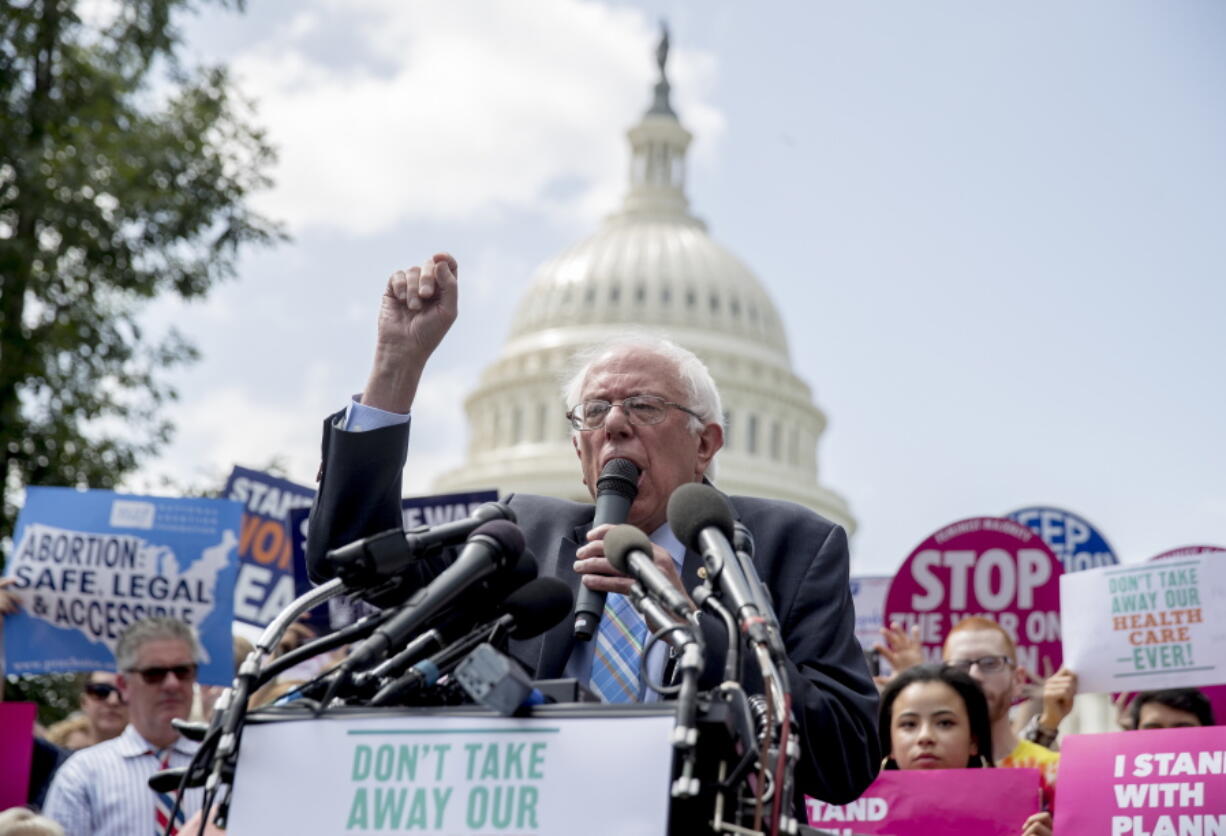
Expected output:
(103, 790)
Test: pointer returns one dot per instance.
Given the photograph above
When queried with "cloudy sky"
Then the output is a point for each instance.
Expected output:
(994, 231)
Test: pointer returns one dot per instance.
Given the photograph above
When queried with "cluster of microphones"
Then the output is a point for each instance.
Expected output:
(447, 641)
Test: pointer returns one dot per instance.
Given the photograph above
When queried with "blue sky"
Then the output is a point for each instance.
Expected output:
(993, 230)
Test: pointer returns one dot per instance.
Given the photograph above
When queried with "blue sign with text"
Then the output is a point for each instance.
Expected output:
(1078, 544)
(268, 577)
(87, 564)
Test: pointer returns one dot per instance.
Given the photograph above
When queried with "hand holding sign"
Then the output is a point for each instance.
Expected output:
(9, 603)
(1058, 692)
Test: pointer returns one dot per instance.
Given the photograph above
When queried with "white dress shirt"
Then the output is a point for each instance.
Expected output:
(103, 790)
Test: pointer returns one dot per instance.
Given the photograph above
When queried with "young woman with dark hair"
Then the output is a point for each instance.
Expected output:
(936, 717)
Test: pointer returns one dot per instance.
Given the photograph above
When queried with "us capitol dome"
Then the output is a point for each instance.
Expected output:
(651, 266)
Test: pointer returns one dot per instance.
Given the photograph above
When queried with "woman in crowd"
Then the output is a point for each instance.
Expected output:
(936, 717)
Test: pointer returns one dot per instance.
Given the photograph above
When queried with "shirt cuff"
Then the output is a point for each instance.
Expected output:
(359, 417)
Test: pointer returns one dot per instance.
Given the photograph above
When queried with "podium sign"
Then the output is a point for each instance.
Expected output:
(455, 774)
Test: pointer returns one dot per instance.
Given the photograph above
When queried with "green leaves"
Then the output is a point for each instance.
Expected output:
(123, 176)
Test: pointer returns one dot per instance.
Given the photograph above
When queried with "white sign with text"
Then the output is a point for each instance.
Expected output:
(1157, 625)
(451, 774)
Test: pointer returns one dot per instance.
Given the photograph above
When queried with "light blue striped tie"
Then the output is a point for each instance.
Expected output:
(619, 646)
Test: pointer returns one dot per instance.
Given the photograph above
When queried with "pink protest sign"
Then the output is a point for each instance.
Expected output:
(1164, 782)
(17, 732)
(985, 566)
(1215, 693)
(1189, 551)
(935, 802)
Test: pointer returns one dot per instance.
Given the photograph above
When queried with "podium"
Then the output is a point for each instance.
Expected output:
(565, 769)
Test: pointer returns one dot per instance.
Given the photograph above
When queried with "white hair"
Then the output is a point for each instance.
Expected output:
(701, 394)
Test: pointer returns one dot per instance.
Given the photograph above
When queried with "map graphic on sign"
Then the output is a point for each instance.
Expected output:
(88, 564)
(145, 575)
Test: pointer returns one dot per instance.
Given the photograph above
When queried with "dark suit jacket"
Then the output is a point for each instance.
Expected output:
(801, 556)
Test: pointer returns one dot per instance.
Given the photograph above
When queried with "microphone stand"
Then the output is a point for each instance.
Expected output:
(225, 759)
(690, 664)
(767, 650)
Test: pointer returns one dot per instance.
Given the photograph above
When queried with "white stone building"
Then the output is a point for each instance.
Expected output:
(653, 266)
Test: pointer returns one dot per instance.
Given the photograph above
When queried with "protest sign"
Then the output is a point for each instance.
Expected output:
(1216, 694)
(452, 774)
(935, 802)
(267, 577)
(986, 566)
(1189, 551)
(17, 732)
(443, 507)
(868, 600)
(1078, 544)
(89, 563)
(1155, 625)
(1163, 782)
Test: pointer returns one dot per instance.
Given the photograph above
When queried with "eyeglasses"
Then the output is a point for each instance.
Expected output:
(986, 664)
(639, 409)
(101, 691)
(155, 675)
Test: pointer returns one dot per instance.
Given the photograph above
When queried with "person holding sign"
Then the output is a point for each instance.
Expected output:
(655, 405)
(936, 717)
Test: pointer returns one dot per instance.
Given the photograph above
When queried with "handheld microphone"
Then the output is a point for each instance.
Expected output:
(629, 550)
(701, 518)
(373, 559)
(528, 612)
(616, 489)
(489, 549)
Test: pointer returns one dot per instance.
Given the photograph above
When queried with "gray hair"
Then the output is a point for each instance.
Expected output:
(22, 821)
(695, 378)
(152, 629)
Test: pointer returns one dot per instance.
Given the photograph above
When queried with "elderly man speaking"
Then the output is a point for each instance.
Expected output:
(653, 403)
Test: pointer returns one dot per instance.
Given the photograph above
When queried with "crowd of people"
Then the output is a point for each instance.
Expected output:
(962, 713)
(90, 772)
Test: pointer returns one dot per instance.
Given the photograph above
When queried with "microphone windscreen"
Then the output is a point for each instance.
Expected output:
(494, 511)
(621, 477)
(695, 506)
(620, 541)
(506, 534)
(537, 606)
(525, 570)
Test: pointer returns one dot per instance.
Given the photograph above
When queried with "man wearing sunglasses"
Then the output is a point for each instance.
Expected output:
(104, 789)
(654, 404)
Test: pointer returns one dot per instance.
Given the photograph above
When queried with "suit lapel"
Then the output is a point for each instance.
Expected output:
(558, 644)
